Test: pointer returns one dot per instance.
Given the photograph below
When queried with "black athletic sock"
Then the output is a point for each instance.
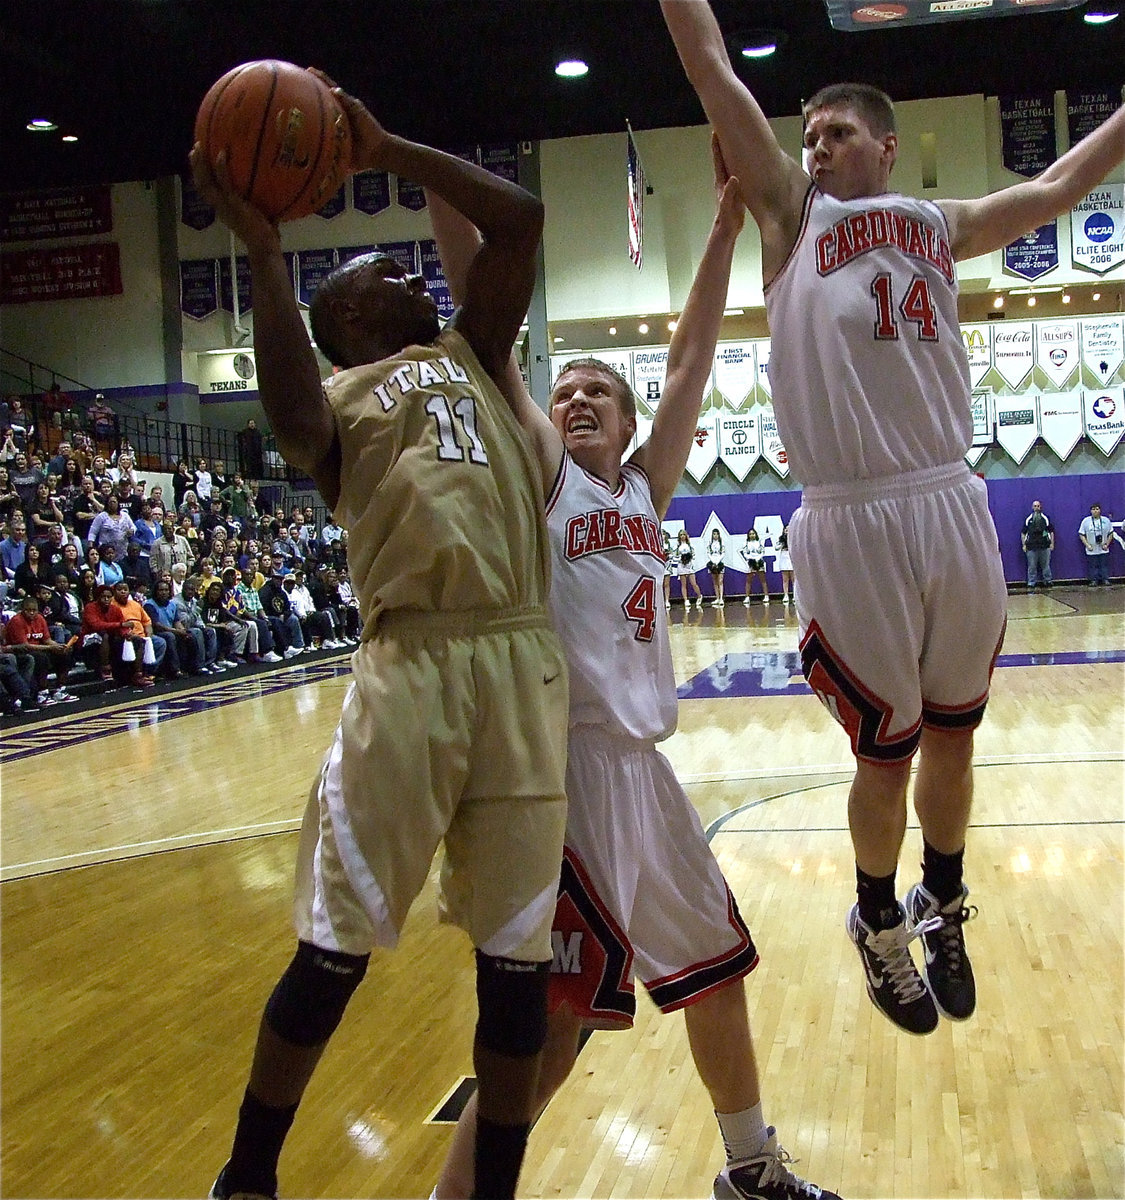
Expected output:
(257, 1146)
(878, 904)
(499, 1156)
(941, 873)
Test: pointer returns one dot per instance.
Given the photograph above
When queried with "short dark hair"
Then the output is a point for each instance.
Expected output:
(872, 103)
(325, 329)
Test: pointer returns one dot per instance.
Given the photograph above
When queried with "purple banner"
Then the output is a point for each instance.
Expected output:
(68, 212)
(1085, 111)
(242, 269)
(409, 195)
(436, 283)
(334, 206)
(1035, 254)
(195, 212)
(312, 267)
(371, 192)
(199, 287)
(404, 253)
(1027, 133)
(502, 161)
(347, 253)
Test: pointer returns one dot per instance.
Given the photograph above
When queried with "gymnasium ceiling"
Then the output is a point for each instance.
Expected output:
(126, 76)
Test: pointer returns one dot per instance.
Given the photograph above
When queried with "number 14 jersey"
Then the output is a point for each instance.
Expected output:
(607, 602)
(869, 374)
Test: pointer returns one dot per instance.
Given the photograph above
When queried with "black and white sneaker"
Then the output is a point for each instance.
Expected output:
(893, 983)
(949, 974)
(219, 1191)
(766, 1177)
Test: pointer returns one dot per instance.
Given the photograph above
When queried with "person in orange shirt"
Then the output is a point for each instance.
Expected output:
(138, 624)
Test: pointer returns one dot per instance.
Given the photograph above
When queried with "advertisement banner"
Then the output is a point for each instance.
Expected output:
(1013, 351)
(64, 273)
(772, 450)
(222, 372)
(982, 418)
(1035, 254)
(1104, 414)
(649, 368)
(735, 372)
(704, 452)
(199, 287)
(762, 353)
(1103, 346)
(740, 444)
(1027, 133)
(371, 192)
(1017, 424)
(620, 360)
(1056, 350)
(62, 213)
(978, 346)
(1060, 421)
(1097, 229)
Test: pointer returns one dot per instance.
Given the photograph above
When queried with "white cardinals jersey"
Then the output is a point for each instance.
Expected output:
(869, 374)
(607, 602)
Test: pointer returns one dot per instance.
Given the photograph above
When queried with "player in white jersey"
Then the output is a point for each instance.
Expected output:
(641, 894)
(900, 593)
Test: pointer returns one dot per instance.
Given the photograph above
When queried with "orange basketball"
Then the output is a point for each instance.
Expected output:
(287, 141)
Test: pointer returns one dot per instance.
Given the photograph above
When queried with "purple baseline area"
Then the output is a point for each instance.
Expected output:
(777, 673)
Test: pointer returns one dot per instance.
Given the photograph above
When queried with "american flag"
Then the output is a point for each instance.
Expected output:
(636, 202)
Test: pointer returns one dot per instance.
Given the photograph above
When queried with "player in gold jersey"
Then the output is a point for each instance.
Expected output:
(453, 729)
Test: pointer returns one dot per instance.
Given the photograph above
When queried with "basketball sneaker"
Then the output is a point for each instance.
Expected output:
(219, 1192)
(949, 974)
(893, 983)
(765, 1177)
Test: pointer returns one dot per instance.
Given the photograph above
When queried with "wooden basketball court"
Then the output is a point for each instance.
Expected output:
(146, 865)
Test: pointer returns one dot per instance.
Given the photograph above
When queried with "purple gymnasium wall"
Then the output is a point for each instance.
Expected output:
(1066, 500)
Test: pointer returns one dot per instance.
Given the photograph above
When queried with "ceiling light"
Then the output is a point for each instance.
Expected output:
(733, 312)
(998, 302)
(1066, 298)
(672, 326)
(1100, 16)
(642, 327)
(1096, 296)
(613, 331)
(41, 125)
(69, 137)
(1031, 302)
(763, 50)
(557, 340)
(571, 68)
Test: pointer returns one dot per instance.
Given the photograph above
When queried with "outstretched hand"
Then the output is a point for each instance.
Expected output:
(249, 224)
(732, 208)
(368, 136)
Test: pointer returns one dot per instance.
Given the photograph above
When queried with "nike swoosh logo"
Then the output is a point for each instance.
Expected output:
(551, 678)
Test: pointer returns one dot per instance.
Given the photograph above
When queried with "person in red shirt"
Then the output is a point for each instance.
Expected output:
(103, 618)
(27, 632)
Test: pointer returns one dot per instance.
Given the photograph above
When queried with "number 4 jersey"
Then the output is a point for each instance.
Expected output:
(607, 602)
(868, 370)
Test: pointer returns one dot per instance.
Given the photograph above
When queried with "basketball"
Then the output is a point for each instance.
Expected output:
(287, 140)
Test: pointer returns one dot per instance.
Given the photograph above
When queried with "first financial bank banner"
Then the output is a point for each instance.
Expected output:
(1097, 229)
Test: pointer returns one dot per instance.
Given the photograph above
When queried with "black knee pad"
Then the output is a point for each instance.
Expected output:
(511, 1005)
(309, 1000)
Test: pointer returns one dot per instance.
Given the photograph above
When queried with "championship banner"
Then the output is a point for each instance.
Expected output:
(313, 266)
(704, 451)
(1060, 421)
(1097, 229)
(1085, 111)
(1035, 254)
(1027, 133)
(434, 274)
(347, 253)
(1056, 350)
(67, 212)
(1013, 351)
(740, 444)
(1103, 346)
(371, 192)
(502, 161)
(649, 368)
(982, 418)
(772, 450)
(735, 372)
(195, 212)
(635, 183)
(199, 287)
(404, 253)
(64, 273)
(978, 346)
(1104, 413)
(1017, 424)
(242, 272)
(334, 205)
(409, 195)
(762, 353)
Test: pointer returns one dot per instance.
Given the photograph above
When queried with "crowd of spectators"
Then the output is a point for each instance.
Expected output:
(99, 570)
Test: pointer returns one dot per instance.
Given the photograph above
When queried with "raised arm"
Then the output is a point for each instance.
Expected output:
(991, 222)
(459, 241)
(773, 183)
(691, 352)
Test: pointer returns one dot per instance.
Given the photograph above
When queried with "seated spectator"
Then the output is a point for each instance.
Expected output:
(336, 555)
(17, 684)
(184, 645)
(331, 531)
(9, 451)
(72, 562)
(325, 590)
(99, 472)
(85, 507)
(137, 624)
(286, 545)
(123, 469)
(135, 568)
(43, 513)
(56, 464)
(178, 575)
(192, 615)
(9, 497)
(234, 634)
(87, 587)
(284, 622)
(145, 529)
(243, 602)
(110, 570)
(13, 549)
(52, 551)
(317, 625)
(27, 578)
(70, 481)
(169, 548)
(112, 527)
(347, 595)
(213, 518)
(191, 511)
(219, 479)
(63, 612)
(25, 479)
(27, 632)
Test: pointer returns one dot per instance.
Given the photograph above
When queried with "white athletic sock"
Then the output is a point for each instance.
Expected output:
(744, 1133)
